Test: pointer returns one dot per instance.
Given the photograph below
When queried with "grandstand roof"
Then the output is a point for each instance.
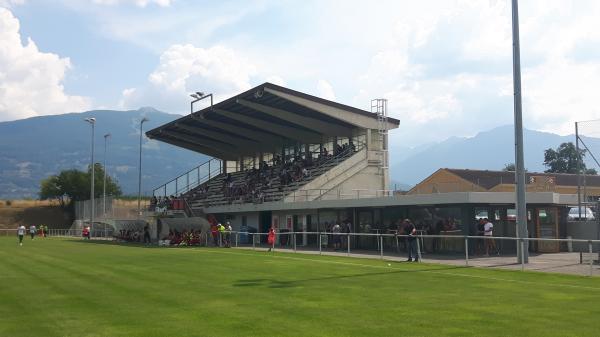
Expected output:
(263, 119)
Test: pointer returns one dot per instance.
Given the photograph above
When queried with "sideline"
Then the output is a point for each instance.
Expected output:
(559, 285)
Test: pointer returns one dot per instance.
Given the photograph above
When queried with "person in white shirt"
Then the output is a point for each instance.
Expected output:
(21, 232)
(337, 240)
(488, 231)
(32, 231)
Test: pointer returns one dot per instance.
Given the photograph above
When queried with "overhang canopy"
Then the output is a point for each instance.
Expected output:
(264, 119)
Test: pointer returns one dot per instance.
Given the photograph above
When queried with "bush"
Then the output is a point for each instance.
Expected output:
(8, 202)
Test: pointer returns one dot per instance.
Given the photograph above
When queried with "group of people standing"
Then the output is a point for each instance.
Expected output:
(42, 230)
(221, 234)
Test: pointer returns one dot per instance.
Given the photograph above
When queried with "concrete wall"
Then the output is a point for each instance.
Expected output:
(342, 181)
(251, 220)
(584, 230)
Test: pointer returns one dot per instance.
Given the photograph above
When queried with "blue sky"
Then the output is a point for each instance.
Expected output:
(444, 65)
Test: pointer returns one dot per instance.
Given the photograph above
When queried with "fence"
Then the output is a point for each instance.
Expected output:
(113, 209)
(190, 179)
(570, 256)
(580, 256)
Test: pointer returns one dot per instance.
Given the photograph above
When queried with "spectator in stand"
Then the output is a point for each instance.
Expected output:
(153, 203)
(337, 149)
(352, 146)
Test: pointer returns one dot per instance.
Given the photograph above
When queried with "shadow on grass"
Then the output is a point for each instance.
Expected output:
(271, 283)
(117, 243)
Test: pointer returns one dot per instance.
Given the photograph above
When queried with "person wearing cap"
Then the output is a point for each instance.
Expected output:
(222, 234)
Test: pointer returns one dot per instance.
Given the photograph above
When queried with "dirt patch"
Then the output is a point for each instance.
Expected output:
(33, 212)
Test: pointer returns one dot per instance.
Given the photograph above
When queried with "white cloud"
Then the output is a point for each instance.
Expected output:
(139, 3)
(11, 3)
(325, 90)
(184, 69)
(454, 73)
(31, 80)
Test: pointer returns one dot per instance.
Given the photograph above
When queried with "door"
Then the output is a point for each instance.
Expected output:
(547, 228)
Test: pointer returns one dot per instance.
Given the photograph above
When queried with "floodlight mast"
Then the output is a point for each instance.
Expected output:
(198, 96)
(140, 169)
(106, 136)
(92, 122)
(522, 249)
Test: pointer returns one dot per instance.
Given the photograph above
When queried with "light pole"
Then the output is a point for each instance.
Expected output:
(106, 136)
(198, 96)
(140, 168)
(92, 122)
(523, 256)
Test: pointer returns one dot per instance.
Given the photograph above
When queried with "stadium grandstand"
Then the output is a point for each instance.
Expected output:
(300, 163)
(271, 143)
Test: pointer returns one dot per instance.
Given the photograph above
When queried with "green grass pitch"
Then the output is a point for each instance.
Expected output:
(67, 287)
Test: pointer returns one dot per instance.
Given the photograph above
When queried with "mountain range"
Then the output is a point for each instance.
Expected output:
(34, 148)
(487, 150)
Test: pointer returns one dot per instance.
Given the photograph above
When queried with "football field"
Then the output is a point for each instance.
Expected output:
(68, 287)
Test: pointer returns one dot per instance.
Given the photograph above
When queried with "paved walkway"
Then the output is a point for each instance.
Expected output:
(564, 263)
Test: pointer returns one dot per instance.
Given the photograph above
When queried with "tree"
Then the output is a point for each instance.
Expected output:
(564, 159)
(509, 167)
(74, 185)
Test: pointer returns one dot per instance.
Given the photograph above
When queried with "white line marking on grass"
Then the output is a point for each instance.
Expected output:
(388, 268)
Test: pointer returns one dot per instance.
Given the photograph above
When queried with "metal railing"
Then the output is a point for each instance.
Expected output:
(460, 250)
(457, 250)
(190, 179)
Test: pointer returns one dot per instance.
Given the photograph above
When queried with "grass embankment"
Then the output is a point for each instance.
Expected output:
(54, 287)
(36, 212)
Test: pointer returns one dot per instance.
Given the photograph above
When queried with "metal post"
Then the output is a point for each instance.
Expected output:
(320, 244)
(294, 237)
(381, 246)
(237, 234)
(419, 248)
(522, 252)
(253, 242)
(206, 239)
(140, 169)
(591, 257)
(348, 243)
(578, 169)
(466, 251)
(519, 153)
(104, 183)
(92, 122)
